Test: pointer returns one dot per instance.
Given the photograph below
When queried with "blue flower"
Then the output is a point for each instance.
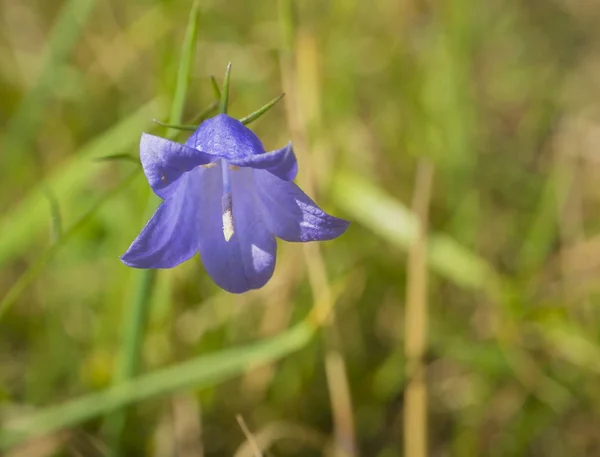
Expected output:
(226, 198)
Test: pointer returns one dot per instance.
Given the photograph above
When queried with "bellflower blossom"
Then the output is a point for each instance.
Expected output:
(226, 198)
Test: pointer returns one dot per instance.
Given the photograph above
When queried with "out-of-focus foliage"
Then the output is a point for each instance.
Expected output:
(502, 96)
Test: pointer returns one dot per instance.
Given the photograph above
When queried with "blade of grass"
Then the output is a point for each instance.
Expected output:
(64, 36)
(31, 273)
(185, 65)
(198, 373)
(55, 216)
(544, 228)
(137, 312)
(395, 223)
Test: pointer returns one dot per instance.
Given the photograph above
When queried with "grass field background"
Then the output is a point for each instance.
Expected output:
(481, 119)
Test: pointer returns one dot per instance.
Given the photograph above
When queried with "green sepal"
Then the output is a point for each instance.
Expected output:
(259, 112)
(118, 157)
(225, 92)
(215, 87)
(190, 128)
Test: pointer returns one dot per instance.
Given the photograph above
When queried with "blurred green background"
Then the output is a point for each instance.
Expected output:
(500, 99)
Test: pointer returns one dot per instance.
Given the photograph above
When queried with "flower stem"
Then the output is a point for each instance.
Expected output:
(138, 310)
(415, 343)
(322, 291)
(135, 323)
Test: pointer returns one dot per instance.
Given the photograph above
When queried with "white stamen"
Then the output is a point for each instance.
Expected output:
(227, 203)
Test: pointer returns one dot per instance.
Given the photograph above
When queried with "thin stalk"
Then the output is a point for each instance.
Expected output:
(323, 296)
(415, 397)
(249, 436)
(185, 65)
(138, 310)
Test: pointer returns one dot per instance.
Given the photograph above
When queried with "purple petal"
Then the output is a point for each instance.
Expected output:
(282, 162)
(226, 137)
(171, 235)
(247, 260)
(291, 215)
(164, 161)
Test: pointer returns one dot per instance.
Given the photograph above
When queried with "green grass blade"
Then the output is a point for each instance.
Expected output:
(198, 373)
(26, 220)
(259, 112)
(63, 37)
(539, 238)
(395, 223)
(144, 280)
(19, 286)
(55, 216)
(143, 284)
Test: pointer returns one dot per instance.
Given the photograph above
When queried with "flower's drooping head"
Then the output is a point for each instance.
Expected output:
(226, 198)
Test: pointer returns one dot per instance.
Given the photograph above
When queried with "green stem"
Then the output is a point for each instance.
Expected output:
(136, 318)
(137, 314)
